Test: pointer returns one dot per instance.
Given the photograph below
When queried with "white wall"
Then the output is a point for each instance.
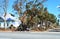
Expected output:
(2, 25)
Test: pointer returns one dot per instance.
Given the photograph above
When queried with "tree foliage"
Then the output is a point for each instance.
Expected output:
(34, 12)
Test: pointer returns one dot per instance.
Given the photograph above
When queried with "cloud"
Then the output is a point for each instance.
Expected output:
(58, 6)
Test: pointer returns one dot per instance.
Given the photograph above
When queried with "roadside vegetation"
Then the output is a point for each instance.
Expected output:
(34, 16)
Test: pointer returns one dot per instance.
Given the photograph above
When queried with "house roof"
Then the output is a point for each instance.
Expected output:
(9, 19)
(1, 19)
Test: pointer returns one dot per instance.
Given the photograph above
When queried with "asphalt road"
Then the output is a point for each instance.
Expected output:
(29, 35)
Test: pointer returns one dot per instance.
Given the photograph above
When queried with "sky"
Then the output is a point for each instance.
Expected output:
(50, 4)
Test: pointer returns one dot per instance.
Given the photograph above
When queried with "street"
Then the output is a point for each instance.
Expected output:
(29, 35)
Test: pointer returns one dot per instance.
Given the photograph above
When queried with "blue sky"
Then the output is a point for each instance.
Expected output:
(50, 4)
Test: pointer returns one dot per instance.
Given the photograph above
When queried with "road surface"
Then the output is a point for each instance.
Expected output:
(29, 35)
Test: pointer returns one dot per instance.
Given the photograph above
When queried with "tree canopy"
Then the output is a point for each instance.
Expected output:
(34, 12)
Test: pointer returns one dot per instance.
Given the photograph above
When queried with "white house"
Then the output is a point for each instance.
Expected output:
(1, 22)
(9, 20)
